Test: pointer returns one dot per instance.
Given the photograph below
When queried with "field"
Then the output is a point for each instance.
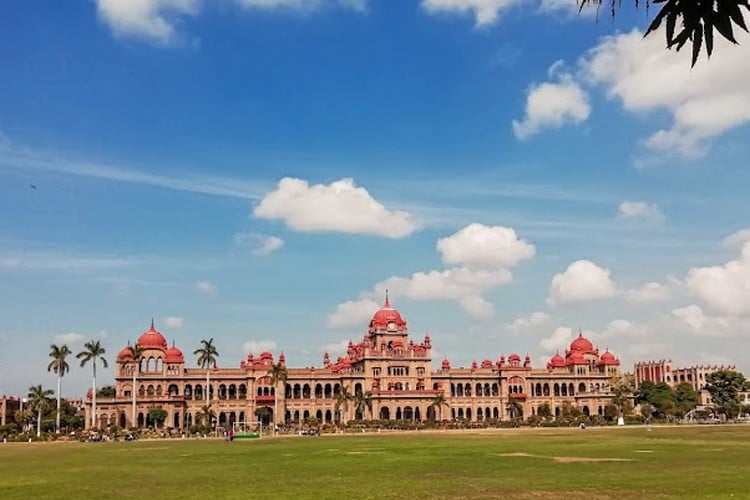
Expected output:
(665, 462)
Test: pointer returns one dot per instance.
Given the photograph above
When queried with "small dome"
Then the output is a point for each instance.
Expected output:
(576, 358)
(125, 354)
(446, 364)
(174, 355)
(608, 359)
(581, 344)
(513, 358)
(486, 363)
(556, 361)
(387, 317)
(152, 339)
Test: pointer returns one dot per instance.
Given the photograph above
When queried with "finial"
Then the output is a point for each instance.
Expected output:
(387, 302)
(152, 324)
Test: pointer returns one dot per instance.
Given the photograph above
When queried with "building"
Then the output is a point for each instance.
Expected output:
(9, 405)
(663, 371)
(396, 370)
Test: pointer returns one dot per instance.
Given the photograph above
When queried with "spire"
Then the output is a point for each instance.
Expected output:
(152, 324)
(387, 302)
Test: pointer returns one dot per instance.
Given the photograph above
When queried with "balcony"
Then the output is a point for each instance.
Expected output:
(265, 399)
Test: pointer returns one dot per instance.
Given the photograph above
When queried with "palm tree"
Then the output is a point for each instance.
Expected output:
(136, 352)
(207, 355)
(207, 413)
(362, 402)
(514, 407)
(437, 403)
(39, 401)
(60, 367)
(342, 399)
(278, 374)
(93, 351)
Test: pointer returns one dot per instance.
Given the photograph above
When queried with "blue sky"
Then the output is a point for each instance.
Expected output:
(261, 171)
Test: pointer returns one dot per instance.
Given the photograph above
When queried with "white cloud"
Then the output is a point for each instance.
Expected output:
(532, 320)
(571, 7)
(693, 319)
(340, 206)
(725, 288)
(704, 101)
(650, 292)
(69, 338)
(173, 322)
(206, 287)
(639, 210)
(301, 5)
(336, 350)
(738, 238)
(582, 281)
(352, 313)
(51, 261)
(486, 12)
(478, 245)
(260, 244)
(559, 339)
(624, 329)
(553, 104)
(258, 346)
(151, 19)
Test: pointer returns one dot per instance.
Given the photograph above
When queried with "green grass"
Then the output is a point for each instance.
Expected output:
(667, 462)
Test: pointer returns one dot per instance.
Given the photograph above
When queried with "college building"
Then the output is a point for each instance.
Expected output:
(396, 370)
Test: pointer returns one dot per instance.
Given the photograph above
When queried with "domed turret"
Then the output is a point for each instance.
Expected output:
(581, 344)
(125, 354)
(152, 339)
(387, 318)
(556, 361)
(446, 365)
(174, 355)
(608, 359)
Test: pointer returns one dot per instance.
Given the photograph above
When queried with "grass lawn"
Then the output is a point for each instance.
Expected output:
(595, 463)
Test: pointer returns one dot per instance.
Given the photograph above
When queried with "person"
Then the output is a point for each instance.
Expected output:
(230, 435)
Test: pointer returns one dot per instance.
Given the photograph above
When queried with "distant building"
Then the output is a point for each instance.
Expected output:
(396, 371)
(663, 371)
(9, 405)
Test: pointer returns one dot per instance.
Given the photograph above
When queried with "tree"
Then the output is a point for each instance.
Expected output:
(621, 387)
(108, 391)
(207, 355)
(342, 400)
(24, 418)
(697, 20)
(659, 397)
(437, 403)
(158, 415)
(93, 351)
(60, 367)
(206, 413)
(514, 408)
(136, 353)
(544, 411)
(362, 402)
(39, 401)
(686, 398)
(263, 414)
(724, 387)
(278, 374)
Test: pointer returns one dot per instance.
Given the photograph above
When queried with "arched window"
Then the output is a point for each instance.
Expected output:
(242, 391)
(478, 390)
(556, 389)
(545, 390)
(581, 387)
(318, 391)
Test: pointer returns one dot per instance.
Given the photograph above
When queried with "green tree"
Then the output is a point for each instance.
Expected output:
(108, 391)
(60, 367)
(514, 408)
(205, 416)
(39, 401)
(278, 375)
(342, 401)
(621, 387)
(158, 415)
(544, 411)
(686, 398)
(724, 387)
(691, 21)
(207, 355)
(24, 418)
(263, 413)
(93, 351)
(363, 403)
(437, 403)
(136, 355)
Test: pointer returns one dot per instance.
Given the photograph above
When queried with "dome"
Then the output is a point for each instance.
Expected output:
(581, 344)
(266, 355)
(608, 359)
(152, 339)
(125, 354)
(174, 355)
(387, 318)
(446, 364)
(556, 361)
(576, 358)
(514, 358)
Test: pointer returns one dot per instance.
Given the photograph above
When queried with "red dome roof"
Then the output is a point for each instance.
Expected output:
(152, 339)
(608, 359)
(125, 354)
(174, 355)
(581, 344)
(514, 357)
(576, 358)
(446, 363)
(556, 361)
(385, 316)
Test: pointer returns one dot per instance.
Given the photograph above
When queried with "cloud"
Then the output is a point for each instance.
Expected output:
(69, 338)
(301, 5)
(52, 261)
(650, 292)
(692, 319)
(259, 346)
(533, 320)
(260, 244)
(150, 19)
(553, 104)
(571, 7)
(738, 238)
(704, 101)
(486, 12)
(206, 287)
(724, 288)
(582, 281)
(639, 210)
(336, 350)
(173, 322)
(340, 206)
(558, 341)
(623, 329)
(478, 245)
(352, 313)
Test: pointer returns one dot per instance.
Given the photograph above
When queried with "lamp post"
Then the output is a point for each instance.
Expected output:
(23, 424)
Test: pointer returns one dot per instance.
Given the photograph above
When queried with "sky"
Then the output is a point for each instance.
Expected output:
(260, 172)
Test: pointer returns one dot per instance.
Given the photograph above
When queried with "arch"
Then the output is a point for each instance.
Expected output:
(357, 388)
(222, 419)
(198, 392)
(150, 391)
(385, 413)
(222, 391)
(564, 390)
(460, 413)
(242, 391)
(159, 391)
(159, 365)
(538, 389)
(319, 415)
(232, 418)
(173, 390)
(306, 391)
(453, 390)
(176, 420)
(327, 391)
(556, 389)
(329, 416)
(417, 414)
(496, 413)
(571, 389)
(318, 391)
(296, 415)
(459, 390)
(478, 389)
(468, 413)
(586, 411)
(545, 389)
(306, 414)
(242, 416)
(297, 391)
(495, 389)
(480, 413)
(581, 387)
(336, 389)
(487, 412)
(467, 389)
(487, 390)
(408, 413)
(141, 391)
(232, 392)
(123, 420)
(557, 411)
(453, 414)
(288, 391)
(140, 420)
(399, 415)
